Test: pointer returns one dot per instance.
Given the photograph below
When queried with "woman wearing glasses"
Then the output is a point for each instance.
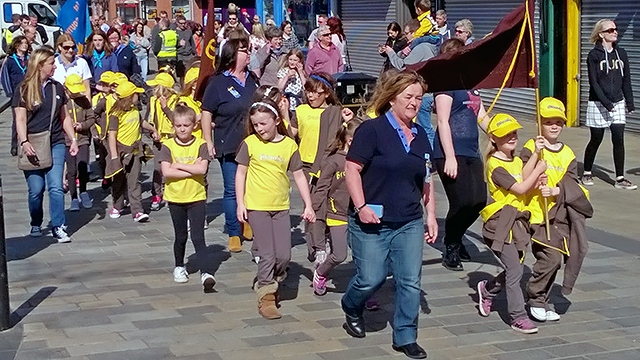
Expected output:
(227, 99)
(464, 31)
(609, 93)
(67, 62)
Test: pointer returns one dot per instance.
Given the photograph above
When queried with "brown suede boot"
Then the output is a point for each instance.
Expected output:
(267, 302)
(247, 232)
(235, 245)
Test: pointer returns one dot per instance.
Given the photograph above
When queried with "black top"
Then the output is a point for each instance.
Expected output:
(38, 119)
(127, 61)
(391, 176)
(229, 104)
(463, 121)
(609, 76)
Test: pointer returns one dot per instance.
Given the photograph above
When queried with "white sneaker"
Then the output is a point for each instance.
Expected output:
(61, 235)
(75, 205)
(208, 281)
(538, 313)
(85, 200)
(552, 315)
(180, 274)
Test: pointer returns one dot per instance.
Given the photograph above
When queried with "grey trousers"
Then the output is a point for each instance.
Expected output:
(129, 181)
(543, 275)
(338, 249)
(509, 279)
(272, 237)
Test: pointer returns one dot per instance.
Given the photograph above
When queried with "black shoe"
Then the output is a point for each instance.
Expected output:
(413, 351)
(451, 259)
(463, 254)
(14, 151)
(106, 184)
(354, 326)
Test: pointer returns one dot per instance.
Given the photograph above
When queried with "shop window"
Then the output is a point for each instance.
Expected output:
(303, 13)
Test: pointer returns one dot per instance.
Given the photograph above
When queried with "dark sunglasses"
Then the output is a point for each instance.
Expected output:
(182, 23)
(610, 31)
(245, 50)
(458, 31)
(72, 47)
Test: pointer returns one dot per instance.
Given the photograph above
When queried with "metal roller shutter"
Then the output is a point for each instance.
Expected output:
(485, 16)
(621, 13)
(365, 24)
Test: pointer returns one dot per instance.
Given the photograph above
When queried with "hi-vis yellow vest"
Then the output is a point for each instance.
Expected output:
(169, 47)
(501, 196)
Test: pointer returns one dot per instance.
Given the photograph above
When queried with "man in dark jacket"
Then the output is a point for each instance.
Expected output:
(186, 46)
(39, 28)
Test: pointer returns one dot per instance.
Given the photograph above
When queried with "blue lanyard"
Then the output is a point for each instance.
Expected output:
(22, 68)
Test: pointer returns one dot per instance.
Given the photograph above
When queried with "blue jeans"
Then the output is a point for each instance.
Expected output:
(424, 116)
(229, 166)
(376, 247)
(52, 177)
(143, 61)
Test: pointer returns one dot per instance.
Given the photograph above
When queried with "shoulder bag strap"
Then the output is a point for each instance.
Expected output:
(54, 104)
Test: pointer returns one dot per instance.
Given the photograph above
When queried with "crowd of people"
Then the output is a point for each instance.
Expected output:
(268, 111)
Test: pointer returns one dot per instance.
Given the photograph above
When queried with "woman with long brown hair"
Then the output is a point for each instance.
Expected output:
(37, 102)
(100, 52)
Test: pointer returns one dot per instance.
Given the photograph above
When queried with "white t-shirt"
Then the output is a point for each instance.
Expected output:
(78, 66)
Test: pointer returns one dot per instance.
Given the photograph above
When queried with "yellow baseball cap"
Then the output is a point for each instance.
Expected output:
(191, 75)
(107, 77)
(74, 84)
(162, 79)
(502, 124)
(552, 108)
(127, 89)
(119, 78)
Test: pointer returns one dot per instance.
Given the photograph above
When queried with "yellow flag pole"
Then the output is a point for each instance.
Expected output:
(538, 119)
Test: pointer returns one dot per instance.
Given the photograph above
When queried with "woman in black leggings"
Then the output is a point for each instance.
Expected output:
(609, 92)
(457, 158)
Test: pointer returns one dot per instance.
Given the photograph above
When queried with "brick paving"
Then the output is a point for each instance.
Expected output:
(109, 294)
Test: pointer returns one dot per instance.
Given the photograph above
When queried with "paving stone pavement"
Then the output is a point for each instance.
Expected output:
(109, 294)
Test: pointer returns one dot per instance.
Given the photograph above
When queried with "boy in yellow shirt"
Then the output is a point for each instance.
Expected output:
(428, 30)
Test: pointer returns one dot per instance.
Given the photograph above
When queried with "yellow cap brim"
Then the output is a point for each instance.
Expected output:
(553, 114)
(507, 129)
(76, 89)
(154, 82)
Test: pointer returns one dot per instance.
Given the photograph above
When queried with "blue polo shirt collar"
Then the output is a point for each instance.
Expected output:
(235, 78)
(72, 64)
(396, 126)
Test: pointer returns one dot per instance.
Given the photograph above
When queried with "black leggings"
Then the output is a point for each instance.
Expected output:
(617, 138)
(78, 168)
(194, 213)
(467, 195)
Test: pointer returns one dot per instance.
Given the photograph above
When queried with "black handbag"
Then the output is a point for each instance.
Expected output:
(41, 143)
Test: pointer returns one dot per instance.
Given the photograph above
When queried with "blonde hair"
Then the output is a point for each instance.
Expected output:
(160, 91)
(597, 29)
(31, 87)
(258, 31)
(466, 24)
(391, 85)
(64, 38)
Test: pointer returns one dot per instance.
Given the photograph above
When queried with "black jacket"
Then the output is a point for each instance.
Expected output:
(609, 77)
(127, 61)
(397, 45)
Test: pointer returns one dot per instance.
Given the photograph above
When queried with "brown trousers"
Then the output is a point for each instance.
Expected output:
(545, 269)
(509, 280)
(272, 237)
(128, 180)
(338, 249)
(315, 231)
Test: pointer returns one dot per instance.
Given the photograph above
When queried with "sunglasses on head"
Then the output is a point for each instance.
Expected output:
(611, 30)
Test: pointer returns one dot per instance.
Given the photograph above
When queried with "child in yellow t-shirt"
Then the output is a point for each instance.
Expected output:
(562, 171)
(125, 151)
(428, 30)
(262, 196)
(505, 228)
(184, 161)
(102, 103)
(316, 125)
(164, 99)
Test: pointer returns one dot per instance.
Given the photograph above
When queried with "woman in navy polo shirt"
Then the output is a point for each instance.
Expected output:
(226, 102)
(388, 172)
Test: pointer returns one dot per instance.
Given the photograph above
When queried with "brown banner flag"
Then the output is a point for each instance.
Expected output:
(208, 58)
(507, 53)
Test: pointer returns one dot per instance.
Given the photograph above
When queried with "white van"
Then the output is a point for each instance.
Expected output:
(43, 10)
